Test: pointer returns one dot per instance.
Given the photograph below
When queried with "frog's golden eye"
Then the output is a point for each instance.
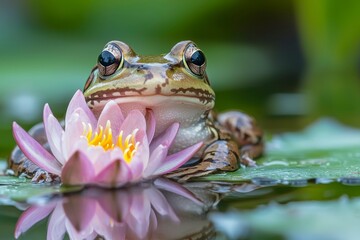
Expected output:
(195, 60)
(109, 59)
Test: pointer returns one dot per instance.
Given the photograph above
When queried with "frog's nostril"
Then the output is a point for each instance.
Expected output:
(142, 67)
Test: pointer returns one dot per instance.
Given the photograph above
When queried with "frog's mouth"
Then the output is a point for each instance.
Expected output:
(152, 97)
(195, 97)
(152, 100)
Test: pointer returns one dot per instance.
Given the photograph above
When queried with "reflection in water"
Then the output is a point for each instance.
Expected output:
(167, 210)
(159, 210)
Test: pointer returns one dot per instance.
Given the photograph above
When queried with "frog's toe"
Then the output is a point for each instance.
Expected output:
(9, 172)
(42, 176)
(247, 161)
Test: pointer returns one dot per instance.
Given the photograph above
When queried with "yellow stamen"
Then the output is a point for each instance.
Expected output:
(119, 142)
(127, 139)
(89, 135)
(104, 138)
(129, 146)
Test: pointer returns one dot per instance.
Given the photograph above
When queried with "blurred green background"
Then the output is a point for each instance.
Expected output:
(284, 62)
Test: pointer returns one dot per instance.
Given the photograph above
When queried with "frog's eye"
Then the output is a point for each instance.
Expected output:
(195, 60)
(109, 59)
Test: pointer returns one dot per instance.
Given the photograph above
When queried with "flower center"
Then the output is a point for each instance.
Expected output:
(104, 138)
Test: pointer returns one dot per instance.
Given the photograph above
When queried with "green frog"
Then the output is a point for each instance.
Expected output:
(176, 88)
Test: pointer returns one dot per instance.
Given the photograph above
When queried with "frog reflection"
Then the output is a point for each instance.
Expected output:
(161, 210)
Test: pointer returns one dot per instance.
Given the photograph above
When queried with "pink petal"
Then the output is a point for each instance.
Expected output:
(153, 222)
(78, 170)
(139, 161)
(134, 120)
(115, 174)
(79, 210)
(56, 227)
(175, 160)
(74, 130)
(32, 216)
(87, 233)
(83, 118)
(176, 188)
(112, 113)
(79, 115)
(78, 101)
(166, 137)
(34, 151)
(99, 157)
(108, 228)
(160, 204)
(150, 124)
(116, 231)
(54, 132)
(139, 220)
(157, 157)
(115, 204)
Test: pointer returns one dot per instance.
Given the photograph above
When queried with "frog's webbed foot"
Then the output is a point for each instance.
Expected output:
(247, 161)
(245, 132)
(42, 176)
(221, 155)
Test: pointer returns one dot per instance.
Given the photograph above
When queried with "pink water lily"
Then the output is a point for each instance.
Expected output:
(110, 151)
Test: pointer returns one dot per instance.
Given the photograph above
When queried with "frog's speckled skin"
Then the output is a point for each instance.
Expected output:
(176, 87)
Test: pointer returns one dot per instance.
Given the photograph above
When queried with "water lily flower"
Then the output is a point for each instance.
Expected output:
(129, 213)
(110, 151)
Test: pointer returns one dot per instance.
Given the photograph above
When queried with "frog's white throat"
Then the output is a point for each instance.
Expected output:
(189, 113)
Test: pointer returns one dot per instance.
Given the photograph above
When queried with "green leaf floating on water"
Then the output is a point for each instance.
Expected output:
(325, 149)
(21, 189)
(337, 219)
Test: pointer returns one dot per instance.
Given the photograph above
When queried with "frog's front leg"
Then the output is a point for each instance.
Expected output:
(245, 132)
(220, 155)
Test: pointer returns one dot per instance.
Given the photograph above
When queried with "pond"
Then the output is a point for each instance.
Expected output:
(197, 210)
(305, 187)
(286, 63)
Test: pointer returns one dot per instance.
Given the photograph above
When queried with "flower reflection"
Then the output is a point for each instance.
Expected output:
(128, 213)
(110, 151)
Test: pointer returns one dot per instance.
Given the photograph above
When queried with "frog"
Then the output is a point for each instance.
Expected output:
(176, 88)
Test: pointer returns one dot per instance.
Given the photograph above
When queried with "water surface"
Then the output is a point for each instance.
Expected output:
(195, 210)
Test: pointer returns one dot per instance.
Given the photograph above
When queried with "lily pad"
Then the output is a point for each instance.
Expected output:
(326, 150)
(21, 189)
(9, 180)
(337, 219)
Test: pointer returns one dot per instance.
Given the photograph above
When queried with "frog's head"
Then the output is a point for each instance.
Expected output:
(175, 85)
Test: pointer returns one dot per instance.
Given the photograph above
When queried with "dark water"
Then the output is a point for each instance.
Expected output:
(195, 210)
